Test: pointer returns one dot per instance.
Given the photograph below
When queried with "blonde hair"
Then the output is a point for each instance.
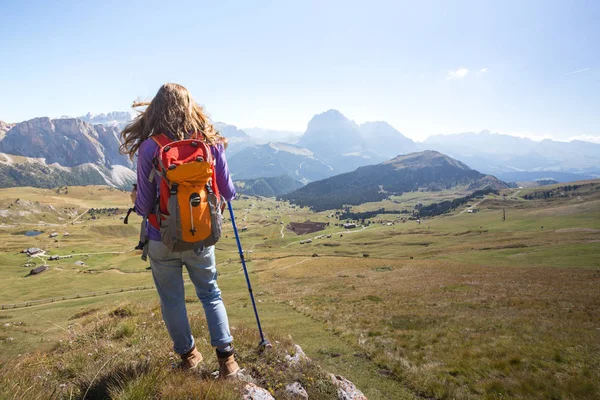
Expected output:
(172, 111)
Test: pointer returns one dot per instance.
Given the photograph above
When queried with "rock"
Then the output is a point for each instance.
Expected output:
(296, 390)
(346, 389)
(297, 357)
(253, 392)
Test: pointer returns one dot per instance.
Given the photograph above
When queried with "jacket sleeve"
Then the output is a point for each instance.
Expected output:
(147, 190)
(224, 183)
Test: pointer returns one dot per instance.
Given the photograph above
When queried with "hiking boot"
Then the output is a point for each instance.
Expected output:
(228, 367)
(191, 359)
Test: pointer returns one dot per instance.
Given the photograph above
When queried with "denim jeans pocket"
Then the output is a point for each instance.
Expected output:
(158, 251)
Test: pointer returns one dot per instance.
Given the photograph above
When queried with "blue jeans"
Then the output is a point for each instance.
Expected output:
(167, 273)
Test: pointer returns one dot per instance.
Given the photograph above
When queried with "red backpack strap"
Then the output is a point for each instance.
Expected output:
(161, 139)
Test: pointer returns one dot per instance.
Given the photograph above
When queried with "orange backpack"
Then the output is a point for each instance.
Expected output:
(188, 209)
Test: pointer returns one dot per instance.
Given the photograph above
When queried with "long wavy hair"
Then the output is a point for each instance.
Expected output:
(173, 112)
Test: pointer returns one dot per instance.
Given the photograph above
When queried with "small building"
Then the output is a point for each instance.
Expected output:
(53, 234)
(54, 258)
(38, 270)
(473, 210)
(349, 225)
(33, 251)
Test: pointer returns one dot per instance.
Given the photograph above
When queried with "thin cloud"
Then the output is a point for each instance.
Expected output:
(577, 71)
(460, 73)
(483, 70)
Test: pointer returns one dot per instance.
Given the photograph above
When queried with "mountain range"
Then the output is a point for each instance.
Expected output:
(427, 170)
(38, 151)
(516, 159)
(48, 152)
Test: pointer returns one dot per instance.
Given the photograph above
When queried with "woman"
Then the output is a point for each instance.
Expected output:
(174, 113)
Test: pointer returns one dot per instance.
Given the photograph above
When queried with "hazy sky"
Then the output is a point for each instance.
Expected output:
(530, 68)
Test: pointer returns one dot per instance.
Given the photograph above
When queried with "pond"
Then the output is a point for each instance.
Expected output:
(33, 233)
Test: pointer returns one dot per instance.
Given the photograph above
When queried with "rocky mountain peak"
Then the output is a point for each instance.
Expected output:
(331, 132)
(114, 118)
(5, 127)
(68, 142)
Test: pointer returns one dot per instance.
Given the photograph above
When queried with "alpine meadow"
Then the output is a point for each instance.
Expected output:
(300, 200)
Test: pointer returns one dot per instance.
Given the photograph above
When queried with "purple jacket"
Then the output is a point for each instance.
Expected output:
(148, 190)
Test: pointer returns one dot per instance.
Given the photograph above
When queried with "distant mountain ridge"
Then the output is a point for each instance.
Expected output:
(114, 118)
(503, 154)
(48, 152)
(332, 144)
(267, 187)
(429, 170)
(277, 159)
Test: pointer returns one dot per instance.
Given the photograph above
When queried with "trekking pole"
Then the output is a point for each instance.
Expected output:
(263, 342)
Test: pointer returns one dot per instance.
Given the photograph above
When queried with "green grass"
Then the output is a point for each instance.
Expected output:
(461, 306)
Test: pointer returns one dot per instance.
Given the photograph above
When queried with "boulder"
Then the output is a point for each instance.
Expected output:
(295, 390)
(253, 392)
(298, 356)
(346, 389)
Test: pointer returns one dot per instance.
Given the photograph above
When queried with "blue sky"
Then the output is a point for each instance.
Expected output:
(529, 68)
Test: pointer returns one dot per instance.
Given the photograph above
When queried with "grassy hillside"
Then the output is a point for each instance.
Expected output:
(462, 305)
(267, 187)
(428, 170)
(122, 353)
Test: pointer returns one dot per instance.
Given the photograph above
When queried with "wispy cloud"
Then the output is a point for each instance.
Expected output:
(483, 70)
(577, 71)
(460, 73)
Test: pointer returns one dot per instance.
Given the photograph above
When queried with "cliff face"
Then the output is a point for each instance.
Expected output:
(68, 142)
(5, 127)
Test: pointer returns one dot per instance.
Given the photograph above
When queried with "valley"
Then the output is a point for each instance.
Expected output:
(460, 305)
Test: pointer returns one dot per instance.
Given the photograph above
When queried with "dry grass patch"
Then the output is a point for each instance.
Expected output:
(450, 330)
(126, 354)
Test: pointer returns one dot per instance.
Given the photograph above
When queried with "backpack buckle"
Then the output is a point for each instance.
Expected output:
(174, 188)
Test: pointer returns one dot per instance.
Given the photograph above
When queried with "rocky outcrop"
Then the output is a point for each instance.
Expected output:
(296, 391)
(5, 127)
(298, 356)
(67, 142)
(346, 389)
(253, 392)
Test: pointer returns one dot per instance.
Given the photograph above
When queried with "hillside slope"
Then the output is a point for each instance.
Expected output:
(428, 170)
(268, 187)
(125, 353)
(277, 159)
(46, 153)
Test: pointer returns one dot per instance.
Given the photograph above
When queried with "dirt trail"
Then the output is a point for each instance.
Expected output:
(473, 206)
(79, 216)
(346, 232)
